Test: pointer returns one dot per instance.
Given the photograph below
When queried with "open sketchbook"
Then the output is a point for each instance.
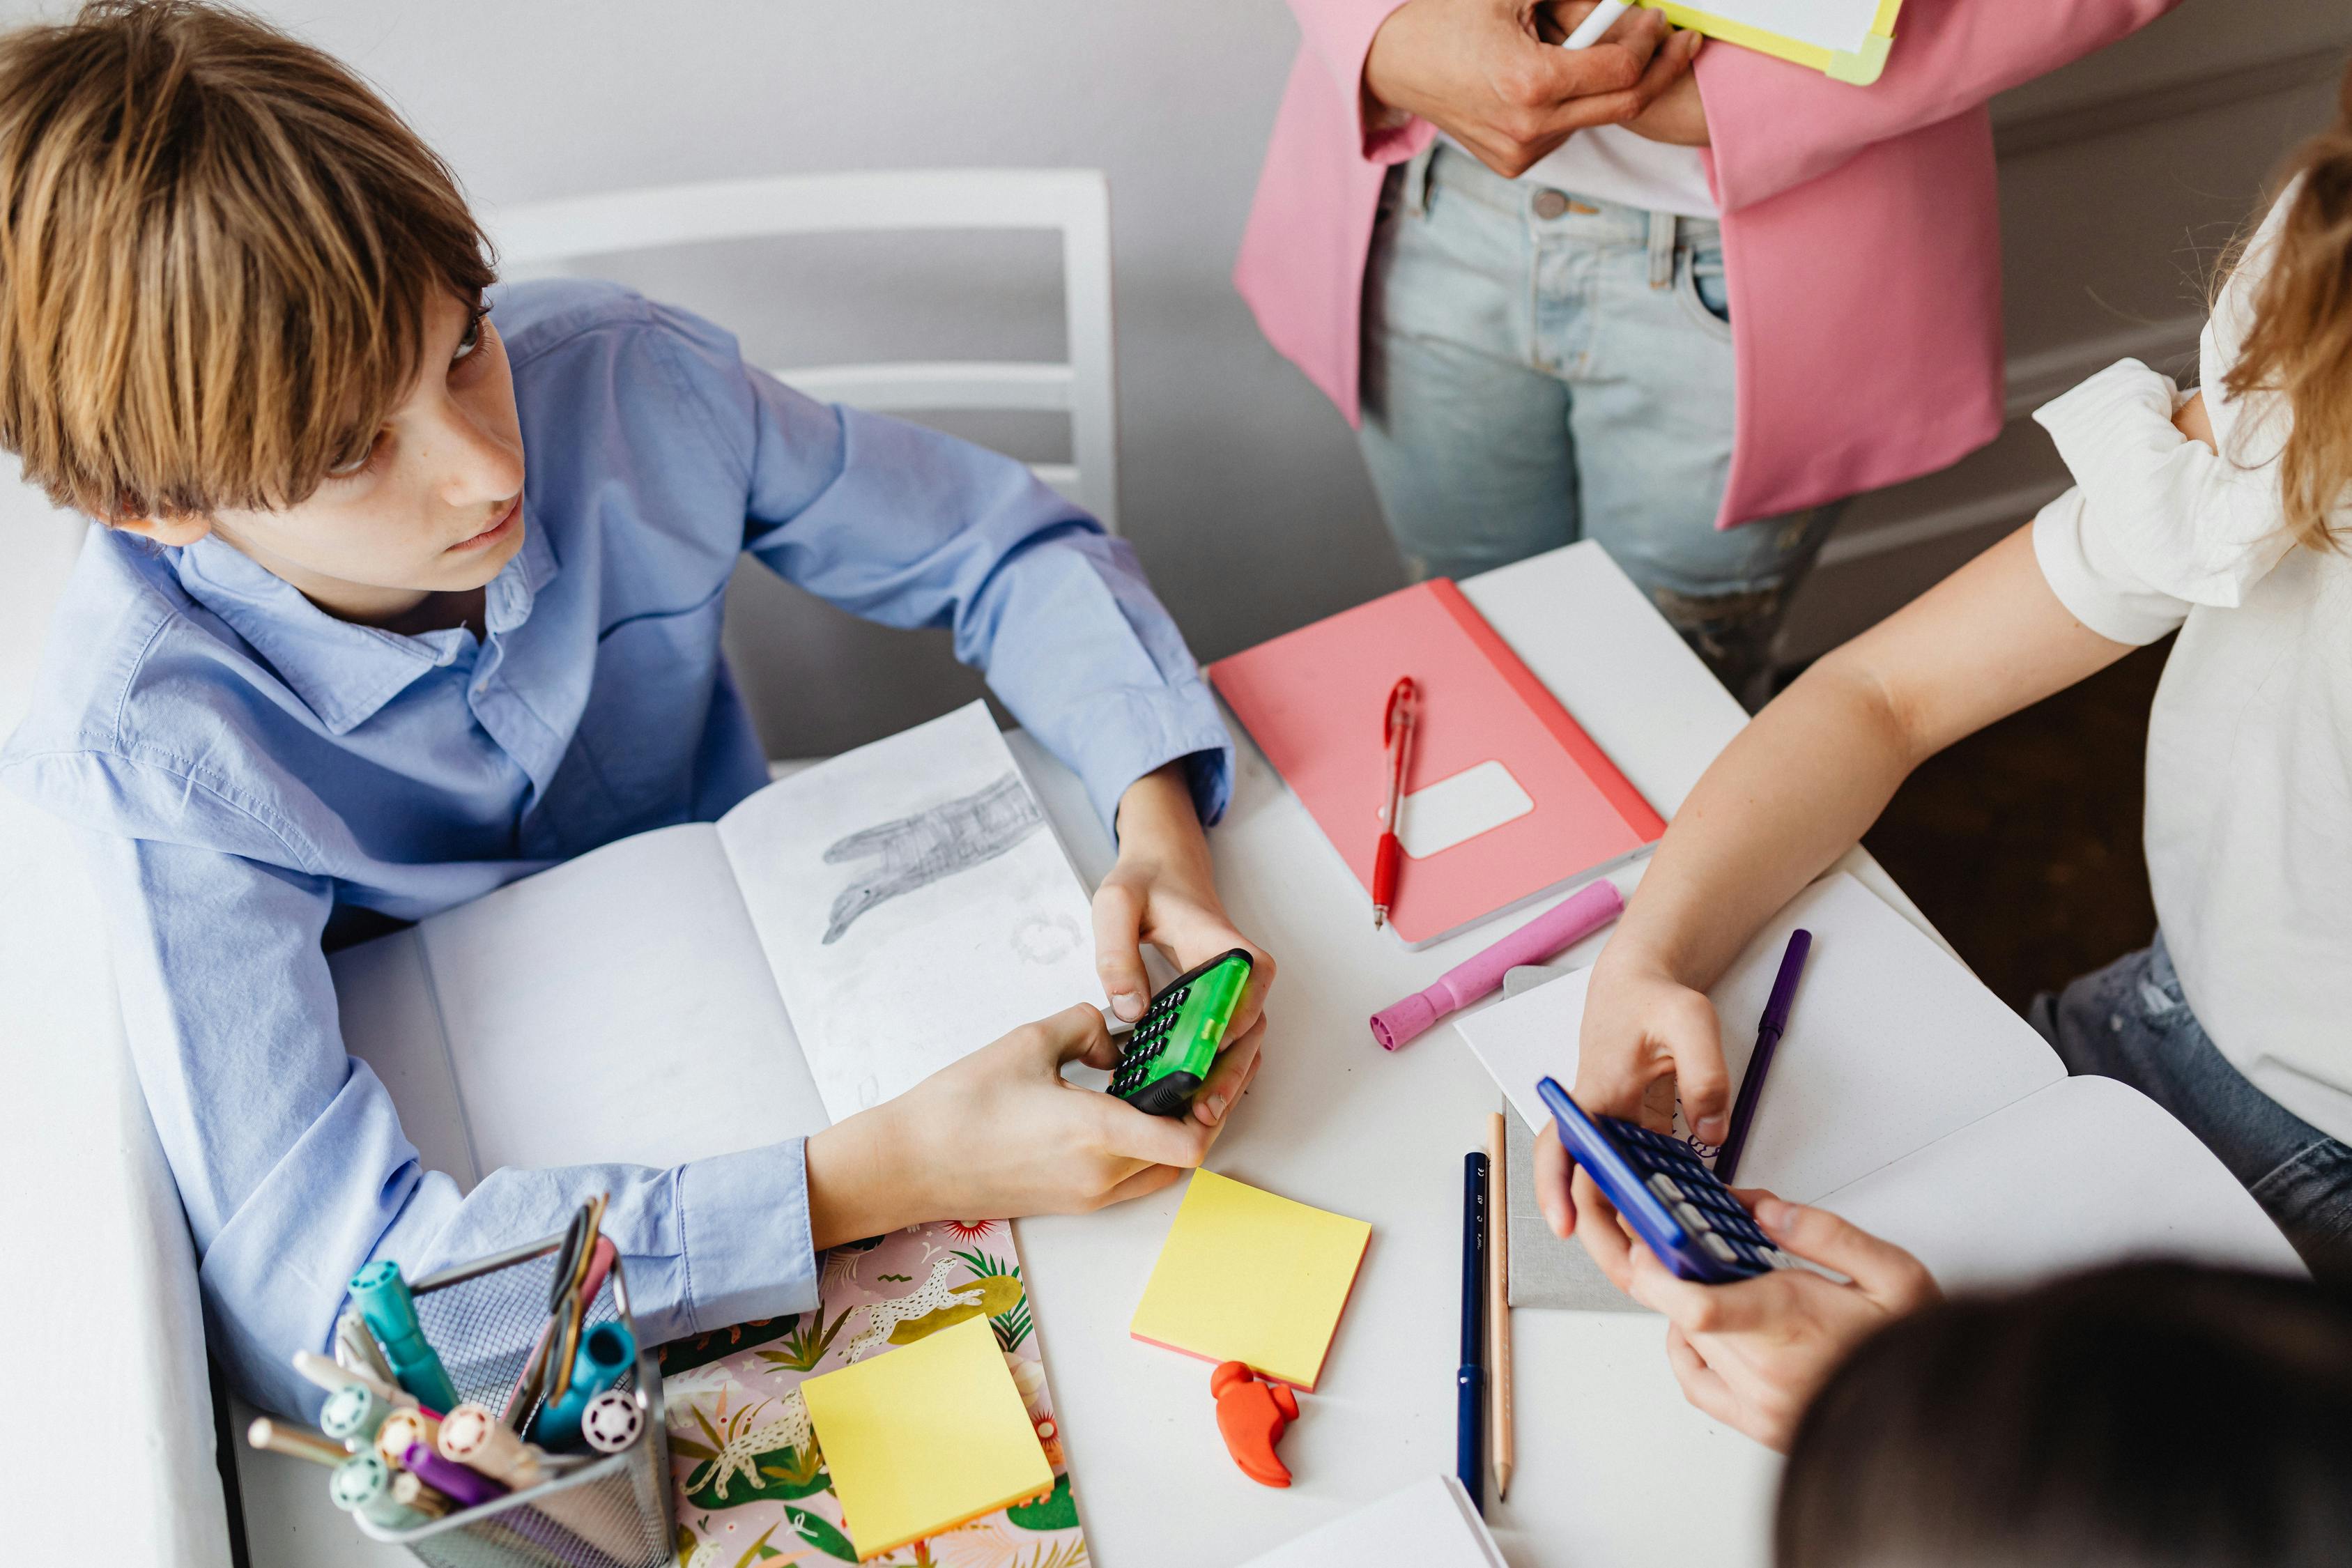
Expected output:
(1908, 1099)
(696, 990)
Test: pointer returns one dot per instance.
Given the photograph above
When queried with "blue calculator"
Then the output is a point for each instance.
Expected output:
(1674, 1203)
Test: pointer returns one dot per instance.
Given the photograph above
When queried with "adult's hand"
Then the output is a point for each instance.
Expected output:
(1753, 1355)
(1480, 71)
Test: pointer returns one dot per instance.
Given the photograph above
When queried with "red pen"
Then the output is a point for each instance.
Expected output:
(1396, 734)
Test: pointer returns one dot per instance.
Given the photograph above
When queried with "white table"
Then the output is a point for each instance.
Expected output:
(1613, 1468)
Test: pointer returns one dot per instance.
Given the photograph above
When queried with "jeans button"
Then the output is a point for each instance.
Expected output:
(1550, 205)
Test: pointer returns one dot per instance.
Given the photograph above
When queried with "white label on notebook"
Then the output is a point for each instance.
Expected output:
(1456, 810)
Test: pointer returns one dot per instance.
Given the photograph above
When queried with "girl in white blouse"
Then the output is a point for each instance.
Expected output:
(2225, 516)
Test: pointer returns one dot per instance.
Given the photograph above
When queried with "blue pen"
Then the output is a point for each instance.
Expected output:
(1470, 1381)
(1760, 1060)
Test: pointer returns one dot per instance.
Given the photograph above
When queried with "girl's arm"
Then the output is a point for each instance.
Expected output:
(1792, 793)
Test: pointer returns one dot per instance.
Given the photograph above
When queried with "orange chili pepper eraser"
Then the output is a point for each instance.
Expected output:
(1251, 1416)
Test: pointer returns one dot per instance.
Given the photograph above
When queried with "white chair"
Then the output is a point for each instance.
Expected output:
(548, 237)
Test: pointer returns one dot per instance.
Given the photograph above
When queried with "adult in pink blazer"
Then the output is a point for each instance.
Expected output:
(1859, 231)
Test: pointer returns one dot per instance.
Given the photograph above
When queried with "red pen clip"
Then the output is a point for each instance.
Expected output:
(1396, 737)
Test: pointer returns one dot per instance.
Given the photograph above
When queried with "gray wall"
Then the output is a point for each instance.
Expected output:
(1241, 486)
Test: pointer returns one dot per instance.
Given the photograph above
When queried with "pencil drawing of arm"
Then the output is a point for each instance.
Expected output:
(933, 843)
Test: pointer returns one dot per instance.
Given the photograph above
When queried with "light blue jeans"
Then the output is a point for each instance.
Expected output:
(1542, 367)
(2132, 1021)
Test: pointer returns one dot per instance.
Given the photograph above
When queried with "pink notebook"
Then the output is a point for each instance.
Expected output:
(1507, 798)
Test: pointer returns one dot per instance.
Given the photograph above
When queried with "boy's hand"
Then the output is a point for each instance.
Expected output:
(1480, 71)
(1753, 1355)
(1001, 1134)
(1163, 892)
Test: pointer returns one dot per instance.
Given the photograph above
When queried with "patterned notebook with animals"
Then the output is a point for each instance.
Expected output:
(752, 1489)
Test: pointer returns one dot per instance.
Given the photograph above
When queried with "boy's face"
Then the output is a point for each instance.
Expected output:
(434, 505)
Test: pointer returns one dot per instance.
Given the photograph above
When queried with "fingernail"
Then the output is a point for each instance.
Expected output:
(1774, 1214)
(1713, 1130)
(1216, 1108)
(1128, 1005)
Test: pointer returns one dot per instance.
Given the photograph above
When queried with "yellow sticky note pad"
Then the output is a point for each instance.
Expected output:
(924, 1437)
(1249, 1277)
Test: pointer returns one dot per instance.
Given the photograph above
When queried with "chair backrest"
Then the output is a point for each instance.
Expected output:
(1075, 203)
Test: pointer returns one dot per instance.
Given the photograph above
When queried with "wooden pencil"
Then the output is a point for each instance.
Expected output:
(1499, 1304)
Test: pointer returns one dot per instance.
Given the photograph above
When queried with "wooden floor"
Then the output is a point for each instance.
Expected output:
(2022, 843)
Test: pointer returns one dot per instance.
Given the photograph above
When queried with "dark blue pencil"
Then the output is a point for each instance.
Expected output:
(1470, 1381)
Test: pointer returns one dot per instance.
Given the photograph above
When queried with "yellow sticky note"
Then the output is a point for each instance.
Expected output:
(1249, 1277)
(926, 1436)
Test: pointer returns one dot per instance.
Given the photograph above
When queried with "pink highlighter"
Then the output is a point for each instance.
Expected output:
(1570, 922)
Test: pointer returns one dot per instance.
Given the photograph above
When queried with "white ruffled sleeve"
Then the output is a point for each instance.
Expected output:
(2156, 522)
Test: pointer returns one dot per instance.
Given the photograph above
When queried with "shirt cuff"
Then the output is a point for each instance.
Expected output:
(2137, 616)
(743, 1229)
(1123, 735)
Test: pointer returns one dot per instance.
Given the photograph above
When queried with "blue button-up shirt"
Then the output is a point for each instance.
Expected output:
(257, 777)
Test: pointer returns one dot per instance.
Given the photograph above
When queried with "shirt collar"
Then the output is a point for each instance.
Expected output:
(344, 672)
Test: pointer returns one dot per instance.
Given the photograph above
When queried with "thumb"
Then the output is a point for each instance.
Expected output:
(1077, 1034)
(1881, 1270)
(1118, 954)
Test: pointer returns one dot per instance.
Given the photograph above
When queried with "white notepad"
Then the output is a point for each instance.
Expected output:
(673, 995)
(1908, 1098)
(1430, 1524)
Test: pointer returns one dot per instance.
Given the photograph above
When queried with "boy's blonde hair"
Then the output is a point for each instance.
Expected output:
(217, 248)
(2301, 342)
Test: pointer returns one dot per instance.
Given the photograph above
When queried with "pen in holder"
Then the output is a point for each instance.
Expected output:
(598, 1510)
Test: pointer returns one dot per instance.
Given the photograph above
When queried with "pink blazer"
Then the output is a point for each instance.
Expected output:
(1861, 234)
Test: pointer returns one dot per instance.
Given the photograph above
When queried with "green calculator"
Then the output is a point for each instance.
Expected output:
(1175, 1042)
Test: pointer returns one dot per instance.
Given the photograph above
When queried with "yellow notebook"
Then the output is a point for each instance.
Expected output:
(925, 1438)
(1249, 1277)
(1847, 39)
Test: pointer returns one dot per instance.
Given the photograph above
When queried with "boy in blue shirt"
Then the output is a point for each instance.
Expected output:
(411, 585)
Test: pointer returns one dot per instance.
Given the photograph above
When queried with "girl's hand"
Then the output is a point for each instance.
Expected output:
(1753, 1355)
(1001, 1134)
(1163, 892)
(1647, 1037)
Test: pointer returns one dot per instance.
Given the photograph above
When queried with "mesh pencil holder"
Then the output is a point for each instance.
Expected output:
(483, 1318)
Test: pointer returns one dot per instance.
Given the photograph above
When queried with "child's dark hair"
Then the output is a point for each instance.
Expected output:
(2147, 1414)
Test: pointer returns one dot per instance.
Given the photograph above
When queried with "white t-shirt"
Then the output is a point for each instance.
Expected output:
(1617, 166)
(1612, 165)
(2249, 831)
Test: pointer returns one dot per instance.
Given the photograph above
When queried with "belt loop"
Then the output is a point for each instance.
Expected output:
(1416, 180)
(1661, 250)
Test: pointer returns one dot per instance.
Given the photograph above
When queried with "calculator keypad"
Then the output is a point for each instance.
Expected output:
(1711, 1217)
(1149, 1038)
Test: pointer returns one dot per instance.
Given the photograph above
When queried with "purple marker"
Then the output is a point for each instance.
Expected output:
(1547, 935)
(1760, 1060)
(466, 1486)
